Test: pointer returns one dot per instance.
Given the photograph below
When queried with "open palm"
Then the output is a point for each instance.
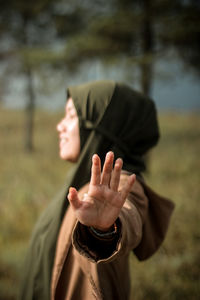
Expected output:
(101, 206)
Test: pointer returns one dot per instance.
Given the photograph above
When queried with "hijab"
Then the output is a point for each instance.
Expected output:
(112, 116)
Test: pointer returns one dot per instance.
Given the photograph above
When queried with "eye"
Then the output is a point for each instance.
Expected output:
(70, 115)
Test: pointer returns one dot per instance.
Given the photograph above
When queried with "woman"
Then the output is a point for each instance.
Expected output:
(81, 251)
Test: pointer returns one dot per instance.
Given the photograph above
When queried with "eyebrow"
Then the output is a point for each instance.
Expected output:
(70, 108)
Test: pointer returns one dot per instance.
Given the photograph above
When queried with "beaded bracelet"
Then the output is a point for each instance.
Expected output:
(100, 233)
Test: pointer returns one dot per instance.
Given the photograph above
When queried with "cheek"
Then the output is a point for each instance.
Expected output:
(73, 128)
(75, 135)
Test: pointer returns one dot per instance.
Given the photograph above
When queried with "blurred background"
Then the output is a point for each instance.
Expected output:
(152, 45)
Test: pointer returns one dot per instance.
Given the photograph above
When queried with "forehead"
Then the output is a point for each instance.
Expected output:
(70, 105)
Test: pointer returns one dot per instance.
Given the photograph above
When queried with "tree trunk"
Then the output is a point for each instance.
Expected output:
(147, 49)
(147, 64)
(30, 107)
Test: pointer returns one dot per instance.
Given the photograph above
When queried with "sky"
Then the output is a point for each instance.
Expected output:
(174, 88)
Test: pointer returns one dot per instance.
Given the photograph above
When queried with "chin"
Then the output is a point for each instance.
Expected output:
(68, 157)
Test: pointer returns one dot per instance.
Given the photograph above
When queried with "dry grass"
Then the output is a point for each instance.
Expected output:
(28, 182)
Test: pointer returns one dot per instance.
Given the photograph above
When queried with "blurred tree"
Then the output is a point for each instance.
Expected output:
(180, 29)
(62, 34)
(18, 22)
(30, 32)
(140, 31)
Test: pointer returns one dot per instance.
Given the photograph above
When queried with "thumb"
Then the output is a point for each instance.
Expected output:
(73, 198)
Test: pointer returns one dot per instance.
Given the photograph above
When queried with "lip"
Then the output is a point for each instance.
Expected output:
(63, 137)
(63, 141)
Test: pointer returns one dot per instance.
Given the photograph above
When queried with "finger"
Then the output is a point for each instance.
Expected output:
(73, 198)
(115, 177)
(96, 170)
(127, 188)
(107, 168)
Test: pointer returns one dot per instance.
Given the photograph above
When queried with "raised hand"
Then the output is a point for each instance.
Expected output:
(101, 206)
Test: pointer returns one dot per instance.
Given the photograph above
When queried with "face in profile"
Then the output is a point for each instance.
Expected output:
(69, 136)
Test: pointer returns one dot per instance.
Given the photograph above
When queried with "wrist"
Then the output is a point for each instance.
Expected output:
(105, 229)
(105, 232)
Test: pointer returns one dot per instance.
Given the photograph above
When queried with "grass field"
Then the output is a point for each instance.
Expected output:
(28, 182)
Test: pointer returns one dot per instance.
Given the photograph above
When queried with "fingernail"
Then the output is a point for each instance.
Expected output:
(133, 176)
(118, 163)
(119, 160)
(71, 189)
(95, 159)
(109, 154)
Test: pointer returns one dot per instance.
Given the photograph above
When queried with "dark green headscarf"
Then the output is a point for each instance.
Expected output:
(111, 117)
(114, 117)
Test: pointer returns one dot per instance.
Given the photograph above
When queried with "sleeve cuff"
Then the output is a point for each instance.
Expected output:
(93, 246)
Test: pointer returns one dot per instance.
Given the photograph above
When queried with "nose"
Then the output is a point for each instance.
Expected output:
(60, 126)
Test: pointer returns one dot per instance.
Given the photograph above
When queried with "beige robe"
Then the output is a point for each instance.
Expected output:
(78, 275)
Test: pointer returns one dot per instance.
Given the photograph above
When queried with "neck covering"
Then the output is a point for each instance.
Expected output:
(114, 117)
